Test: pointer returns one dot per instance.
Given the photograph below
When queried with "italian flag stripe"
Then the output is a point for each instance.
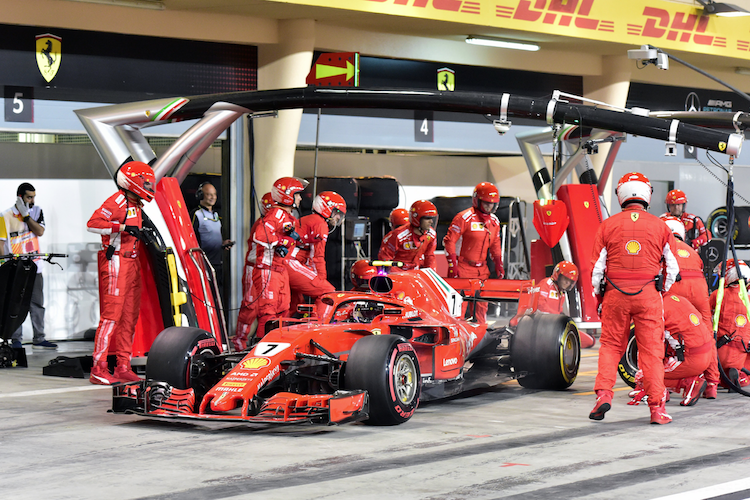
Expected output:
(165, 112)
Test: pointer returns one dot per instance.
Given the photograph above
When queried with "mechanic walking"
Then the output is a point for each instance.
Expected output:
(20, 229)
(415, 244)
(274, 238)
(478, 228)
(628, 252)
(119, 223)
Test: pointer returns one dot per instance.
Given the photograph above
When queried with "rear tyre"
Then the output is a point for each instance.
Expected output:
(629, 362)
(177, 355)
(718, 224)
(547, 348)
(386, 366)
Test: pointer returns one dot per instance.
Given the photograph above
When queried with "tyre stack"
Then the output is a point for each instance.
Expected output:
(378, 196)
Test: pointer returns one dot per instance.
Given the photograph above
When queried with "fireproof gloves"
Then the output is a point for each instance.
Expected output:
(452, 266)
(133, 230)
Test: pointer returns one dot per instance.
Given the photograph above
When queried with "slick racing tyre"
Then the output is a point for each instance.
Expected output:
(386, 366)
(629, 362)
(546, 347)
(177, 357)
(718, 224)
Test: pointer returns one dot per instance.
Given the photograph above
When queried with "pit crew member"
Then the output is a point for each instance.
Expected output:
(119, 223)
(360, 273)
(398, 217)
(274, 238)
(307, 267)
(696, 233)
(628, 250)
(733, 335)
(552, 291)
(248, 310)
(415, 244)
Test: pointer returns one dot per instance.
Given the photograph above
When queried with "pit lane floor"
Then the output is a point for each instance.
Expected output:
(59, 442)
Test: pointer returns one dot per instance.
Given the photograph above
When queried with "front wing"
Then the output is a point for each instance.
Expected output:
(158, 399)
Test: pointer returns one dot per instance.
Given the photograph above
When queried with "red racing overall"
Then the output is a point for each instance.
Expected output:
(270, 278)
(248, 309)
(119, 277)
(403, 244)
(551, 299)
(628, 248)
(307, 267)
(733, 323)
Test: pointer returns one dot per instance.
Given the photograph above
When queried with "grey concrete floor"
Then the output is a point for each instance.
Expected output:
(58, 442)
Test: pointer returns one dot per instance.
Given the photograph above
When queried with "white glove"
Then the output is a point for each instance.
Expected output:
(21, 206)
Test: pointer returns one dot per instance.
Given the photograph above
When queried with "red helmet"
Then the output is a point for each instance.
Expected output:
(567, 269)
(676, 197)
(634, 187)
(138, 178)
(487, 192)
(266, 203)
(422, 209)
(361, 273)
(284, 189)
(398, 217)
(675, 225)
(327, 203)
(732, 275)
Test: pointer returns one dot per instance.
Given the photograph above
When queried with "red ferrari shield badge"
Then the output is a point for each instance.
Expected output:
(550, 220)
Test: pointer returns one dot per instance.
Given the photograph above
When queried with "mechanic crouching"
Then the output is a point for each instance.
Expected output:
(628, 252)
(690, 363)
(553, 290)
(733, 334)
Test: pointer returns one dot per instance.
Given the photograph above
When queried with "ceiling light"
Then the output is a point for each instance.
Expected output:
(502, 43)
(722, 9)
(142, 4)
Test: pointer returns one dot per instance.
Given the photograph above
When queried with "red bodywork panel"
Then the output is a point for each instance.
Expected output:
(585, 218)
(174, 210)
(150, 320)
(541, 261)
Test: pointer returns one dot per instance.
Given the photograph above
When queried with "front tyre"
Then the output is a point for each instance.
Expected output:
(177, 356)
(386, 366)
(546, 347)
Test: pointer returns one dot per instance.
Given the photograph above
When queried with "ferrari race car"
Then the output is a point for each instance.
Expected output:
(360, 355)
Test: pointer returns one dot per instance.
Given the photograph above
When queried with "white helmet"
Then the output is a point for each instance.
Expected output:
(634, 187)
(675, 225)
(732, 276)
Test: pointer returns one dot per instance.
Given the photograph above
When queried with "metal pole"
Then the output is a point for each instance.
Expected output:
(315, 168)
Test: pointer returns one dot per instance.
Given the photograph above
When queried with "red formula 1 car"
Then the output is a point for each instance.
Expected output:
(361, 356)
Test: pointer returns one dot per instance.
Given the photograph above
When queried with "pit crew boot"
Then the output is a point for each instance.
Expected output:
(602, 406)
(100, 375)
(238, 342)
(124, 373)
(659, 414)
(733, 375)
(711, 390)
(639, 393)
(693, 390)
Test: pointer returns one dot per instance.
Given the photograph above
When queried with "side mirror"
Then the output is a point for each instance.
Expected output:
(381, 284)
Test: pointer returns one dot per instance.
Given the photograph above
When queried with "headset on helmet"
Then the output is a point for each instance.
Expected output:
(284, 189)
(327, 204)
(422, 209)
(675, 225)
(398, 217)
(634, 188)
(361, 273)
(732, 275)
(266, 203)
(567, 269)
(138, 178)
(486, 192)
(675, 197)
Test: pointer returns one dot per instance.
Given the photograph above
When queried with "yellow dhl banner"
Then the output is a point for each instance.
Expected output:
(666, 25)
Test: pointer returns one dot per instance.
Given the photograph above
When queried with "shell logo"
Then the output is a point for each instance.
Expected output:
(255, 363)
(740, 320)
(683, 253)
(694, 319)
(632, 247)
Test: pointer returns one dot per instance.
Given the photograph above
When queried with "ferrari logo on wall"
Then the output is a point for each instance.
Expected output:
(48, 55)
(446, 79)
